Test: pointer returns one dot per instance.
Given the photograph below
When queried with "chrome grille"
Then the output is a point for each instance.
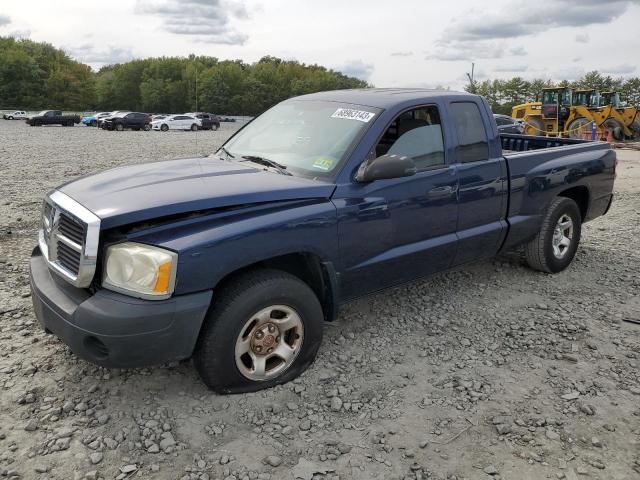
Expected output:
(69, 238)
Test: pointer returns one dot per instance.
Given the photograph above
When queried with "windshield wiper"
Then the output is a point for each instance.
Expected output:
(269, 163)
(229, 155)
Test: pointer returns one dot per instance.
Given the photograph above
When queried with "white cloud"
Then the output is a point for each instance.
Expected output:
(207, 21)
(357, 68)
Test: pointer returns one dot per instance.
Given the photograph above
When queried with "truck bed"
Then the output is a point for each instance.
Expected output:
(512, 142)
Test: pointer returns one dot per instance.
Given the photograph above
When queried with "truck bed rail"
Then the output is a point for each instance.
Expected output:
(521, 143)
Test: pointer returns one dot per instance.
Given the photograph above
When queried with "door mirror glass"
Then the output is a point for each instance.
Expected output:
(385, 167)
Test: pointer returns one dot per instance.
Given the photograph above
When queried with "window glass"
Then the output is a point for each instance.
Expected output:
(307, 136)
(472, 137)
(416, 134)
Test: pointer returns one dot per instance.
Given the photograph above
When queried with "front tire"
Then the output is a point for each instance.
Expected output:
(164, 127)
(9, 117)
(119, 127)
(264, 329)
(194, 127)
(555, 245)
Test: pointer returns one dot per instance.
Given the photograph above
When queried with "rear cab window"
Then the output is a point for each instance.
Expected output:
(473, 144)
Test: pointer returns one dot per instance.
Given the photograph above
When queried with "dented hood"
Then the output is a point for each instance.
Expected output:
(142, 192)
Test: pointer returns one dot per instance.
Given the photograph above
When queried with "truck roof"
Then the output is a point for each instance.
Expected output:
(381, 97)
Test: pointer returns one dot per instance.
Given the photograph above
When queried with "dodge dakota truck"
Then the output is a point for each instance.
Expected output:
(237, 259)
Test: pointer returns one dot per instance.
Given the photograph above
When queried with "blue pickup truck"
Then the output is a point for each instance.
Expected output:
(238, 258)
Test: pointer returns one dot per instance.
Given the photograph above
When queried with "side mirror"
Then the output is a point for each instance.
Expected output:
(384, 167)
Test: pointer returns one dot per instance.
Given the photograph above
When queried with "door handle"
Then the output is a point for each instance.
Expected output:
(440, 192)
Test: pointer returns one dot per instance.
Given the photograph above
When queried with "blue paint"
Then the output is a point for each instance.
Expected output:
(222, 215)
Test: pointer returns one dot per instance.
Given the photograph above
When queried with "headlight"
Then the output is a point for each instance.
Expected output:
(140, 270)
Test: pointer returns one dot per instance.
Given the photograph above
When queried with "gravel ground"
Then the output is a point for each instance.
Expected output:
(491, 371)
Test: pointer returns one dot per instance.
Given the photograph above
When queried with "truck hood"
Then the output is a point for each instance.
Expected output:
(137, 193)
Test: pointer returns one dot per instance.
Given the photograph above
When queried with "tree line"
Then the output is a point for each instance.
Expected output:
(37, 75)
(502, 95)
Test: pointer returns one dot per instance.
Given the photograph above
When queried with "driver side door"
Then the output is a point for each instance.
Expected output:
(395, 230)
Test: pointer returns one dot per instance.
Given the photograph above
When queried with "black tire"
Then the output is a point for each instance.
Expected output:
(194, 127)
(617, 129)
(9, 117)
(164, 127)
(235, 304)
(214, 127)
(539, 252)
(119, 127)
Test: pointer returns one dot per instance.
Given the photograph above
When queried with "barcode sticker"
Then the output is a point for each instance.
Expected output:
(351, 114)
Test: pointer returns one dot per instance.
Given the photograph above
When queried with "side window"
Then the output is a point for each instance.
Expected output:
(472, 137)
(416, 134)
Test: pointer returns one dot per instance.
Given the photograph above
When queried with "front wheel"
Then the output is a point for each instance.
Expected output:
(119, 127)
(194, 127)
(9, 117)
(555, 245)
(264, 329)
(164, 127)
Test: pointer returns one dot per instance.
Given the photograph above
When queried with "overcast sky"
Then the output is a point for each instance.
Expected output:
(388, 43)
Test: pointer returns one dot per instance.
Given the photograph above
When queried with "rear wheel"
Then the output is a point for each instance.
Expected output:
(94, 123)
(164, 127)
(616, 128)
(578, 127)
(194, 127)
(555, 245)
(264, 329)
(533, 126)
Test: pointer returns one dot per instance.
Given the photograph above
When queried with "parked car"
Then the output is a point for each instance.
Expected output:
(53, 117)
(507, 124)
(125, 120)
(209, 120)
(17, 115)
(111, 114)
(177, 122)
(227, 119)
(92, 120)
(238, 259)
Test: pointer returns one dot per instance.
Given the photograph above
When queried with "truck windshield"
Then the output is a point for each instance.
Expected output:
(307, 137)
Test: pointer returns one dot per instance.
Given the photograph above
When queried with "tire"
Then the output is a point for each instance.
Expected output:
(540, 252)
(9, 117)
(94, 123)
(146, 127)
(534, 126)
(119, 127)
(235, 313)
(617, 129)
(577, 127)
(214, 127)
(164, 127)
(194, 127)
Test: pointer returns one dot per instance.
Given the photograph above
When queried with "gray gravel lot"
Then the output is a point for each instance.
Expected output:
(491, 371)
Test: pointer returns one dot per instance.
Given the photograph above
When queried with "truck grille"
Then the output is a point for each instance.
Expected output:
(69, 238)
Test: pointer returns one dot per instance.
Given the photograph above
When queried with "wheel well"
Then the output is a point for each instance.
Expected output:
(308, 267)
(580, 195)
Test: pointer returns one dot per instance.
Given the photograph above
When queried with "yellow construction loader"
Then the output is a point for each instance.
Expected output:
(568, 113)
(547, 117)
(627, 116)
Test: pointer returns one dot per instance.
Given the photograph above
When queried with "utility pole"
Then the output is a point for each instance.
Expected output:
(471, 80)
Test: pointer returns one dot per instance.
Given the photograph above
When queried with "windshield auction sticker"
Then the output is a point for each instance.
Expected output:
(350, 114)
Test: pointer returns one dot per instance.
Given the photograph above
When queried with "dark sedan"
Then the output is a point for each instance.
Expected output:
(506, 124)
